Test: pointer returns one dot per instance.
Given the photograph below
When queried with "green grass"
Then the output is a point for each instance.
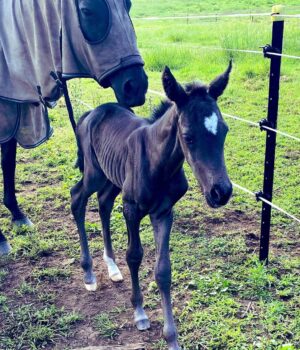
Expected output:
(51, 274)
(29, 327)
(105, 326)
(223, 297)
(144, 8)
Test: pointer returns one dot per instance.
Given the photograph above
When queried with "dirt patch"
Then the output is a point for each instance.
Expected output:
(71, 295)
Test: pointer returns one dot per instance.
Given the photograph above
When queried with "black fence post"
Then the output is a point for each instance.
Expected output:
(271, 121)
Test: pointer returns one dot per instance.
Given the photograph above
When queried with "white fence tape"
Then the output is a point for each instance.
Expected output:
(266, 201)
(233, 15)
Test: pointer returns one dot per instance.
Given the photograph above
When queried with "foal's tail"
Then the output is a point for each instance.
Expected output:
(80, 159)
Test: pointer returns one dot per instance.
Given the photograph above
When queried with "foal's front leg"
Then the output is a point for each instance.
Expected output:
(162, 225)
(134, 257)
(8, 163)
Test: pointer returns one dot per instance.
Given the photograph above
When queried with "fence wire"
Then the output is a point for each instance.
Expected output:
(287, 16)
(85, 104)
(255, 52)
(284, 55)
(216, 48)
(274, 206)
(237, 15)
(262, 127)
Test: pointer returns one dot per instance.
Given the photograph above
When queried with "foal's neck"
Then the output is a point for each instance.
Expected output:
(166, 152)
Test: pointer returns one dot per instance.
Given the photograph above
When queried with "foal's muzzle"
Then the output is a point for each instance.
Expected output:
(219, 195)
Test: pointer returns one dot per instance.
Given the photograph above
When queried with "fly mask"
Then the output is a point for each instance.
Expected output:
(41, 40)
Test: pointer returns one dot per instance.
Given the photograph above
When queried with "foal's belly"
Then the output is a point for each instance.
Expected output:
(111, 147)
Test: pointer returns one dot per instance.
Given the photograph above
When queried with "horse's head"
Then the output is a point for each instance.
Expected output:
(98, 41)
(202, 132)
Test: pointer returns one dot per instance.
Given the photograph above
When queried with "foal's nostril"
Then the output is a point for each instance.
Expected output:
(220, 194)
(216, 194)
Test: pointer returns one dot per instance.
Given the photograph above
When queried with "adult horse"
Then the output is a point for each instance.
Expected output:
(42, 45)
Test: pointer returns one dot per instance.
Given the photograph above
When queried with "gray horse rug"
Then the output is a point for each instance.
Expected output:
(41, 41)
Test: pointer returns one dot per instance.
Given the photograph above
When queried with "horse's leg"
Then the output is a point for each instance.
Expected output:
(162, 225)
(8, 163)
(106, 200)
(134, 258)
(5, 247)
(80, 195)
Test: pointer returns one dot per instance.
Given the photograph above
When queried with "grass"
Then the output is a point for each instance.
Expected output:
(105, 326)
(192, 7)
(29, 327)
(33, 323)
(224, 298)
(50, 274)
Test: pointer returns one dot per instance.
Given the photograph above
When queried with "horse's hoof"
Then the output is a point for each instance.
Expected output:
(142, 325)
(117, 277)
(141, 319)
(113, 271)
(5, 248)
(91, 287)
(22, 222)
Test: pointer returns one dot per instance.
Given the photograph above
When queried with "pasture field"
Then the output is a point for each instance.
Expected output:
(223, 297)
(144, 8)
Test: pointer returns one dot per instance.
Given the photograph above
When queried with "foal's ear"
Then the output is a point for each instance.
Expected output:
(218, 85)
(174, 91)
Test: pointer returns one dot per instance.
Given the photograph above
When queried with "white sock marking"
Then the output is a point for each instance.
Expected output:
(113, 270)
(211, 123)
(91, 287)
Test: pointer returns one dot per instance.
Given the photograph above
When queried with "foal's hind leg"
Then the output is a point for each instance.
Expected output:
(134, 257)
(8, 163)
(80, 194)
(106, 200)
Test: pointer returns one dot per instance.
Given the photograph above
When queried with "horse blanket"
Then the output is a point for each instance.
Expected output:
(43, 39)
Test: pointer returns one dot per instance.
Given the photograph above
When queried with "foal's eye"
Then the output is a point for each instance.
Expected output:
(188, 139)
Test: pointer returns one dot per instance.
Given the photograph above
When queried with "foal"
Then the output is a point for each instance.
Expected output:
(143, 158)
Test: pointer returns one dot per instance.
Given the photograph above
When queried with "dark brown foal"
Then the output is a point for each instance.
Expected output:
(143, 159)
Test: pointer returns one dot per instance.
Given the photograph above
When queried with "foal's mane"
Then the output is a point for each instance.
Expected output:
(160, 110)
(193, 89)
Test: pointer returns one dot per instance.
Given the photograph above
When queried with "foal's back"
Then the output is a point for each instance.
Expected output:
(104, 135)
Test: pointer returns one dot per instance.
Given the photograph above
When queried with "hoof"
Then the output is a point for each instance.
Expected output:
(113, 271)
(117, 277)
(141, 319)
(5, 248)
(91, 287)
(22, 222)
(90, 281)
(143, 325)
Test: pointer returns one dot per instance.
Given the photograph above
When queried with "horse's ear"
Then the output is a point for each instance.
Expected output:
(218, 85)
(174, 91)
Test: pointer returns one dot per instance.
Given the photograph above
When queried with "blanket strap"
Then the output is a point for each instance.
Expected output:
(69, 104)
(62, 83)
